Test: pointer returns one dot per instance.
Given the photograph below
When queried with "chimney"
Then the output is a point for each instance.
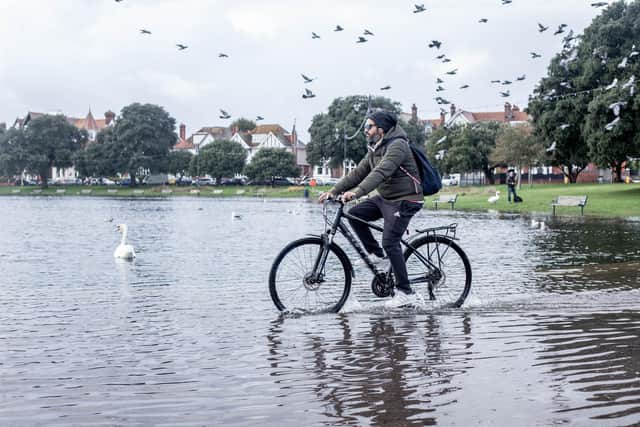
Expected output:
(508, 113)
(414, 113)
(515, 108)
(443, 117)
(183, 132)
(453, 109)
(234, 130)
(109, 117)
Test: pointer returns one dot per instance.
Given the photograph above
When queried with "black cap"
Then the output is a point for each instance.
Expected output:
(384, 119)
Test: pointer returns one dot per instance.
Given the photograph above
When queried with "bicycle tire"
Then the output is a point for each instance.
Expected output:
(450, 283)
(299, 256)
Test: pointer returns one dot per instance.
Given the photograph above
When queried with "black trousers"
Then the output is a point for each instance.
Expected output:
(511, 189)
(396, 220)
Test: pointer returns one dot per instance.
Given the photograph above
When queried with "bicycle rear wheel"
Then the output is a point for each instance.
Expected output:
(448, 281)
(292, 287)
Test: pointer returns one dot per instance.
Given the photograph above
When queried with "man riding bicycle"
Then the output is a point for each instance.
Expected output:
(388, 167)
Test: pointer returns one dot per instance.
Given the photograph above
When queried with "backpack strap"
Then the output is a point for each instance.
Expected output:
(416, 181)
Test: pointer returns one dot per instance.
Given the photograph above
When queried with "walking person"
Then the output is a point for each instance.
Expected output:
(511, 186)
(388, 167)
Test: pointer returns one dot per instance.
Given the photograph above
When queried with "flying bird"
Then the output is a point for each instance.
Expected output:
(452, 72)
(258, 118)
(314, 35)
(143, 31)
(118, 1)
(505, 94)
(440, 89)
(435, 43)
(439, 80)
(496, 81)
(419, 8)
(613, 124)
(368, 33)
(564, 126)
(483, 20)
(308, 94)
(222, 55)
(464, 86)
(560, 29)
(307, 79)
(361, 40)
(387, 87)
(535, 55)
(613, 84)
(542, 28)
(224, 114)
(441, 56)
(521, 78)
(616, 106)
(623, 63)
(445, 60)
(506, 2)
(441, 140)
(506, 82)
(181, 46)
(599, 4)
(552, 147)
(338, 28)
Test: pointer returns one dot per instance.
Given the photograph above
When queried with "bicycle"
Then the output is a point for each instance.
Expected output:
(314, 274)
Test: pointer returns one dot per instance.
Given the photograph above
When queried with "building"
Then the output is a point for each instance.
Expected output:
(88, 123)
(262, 136)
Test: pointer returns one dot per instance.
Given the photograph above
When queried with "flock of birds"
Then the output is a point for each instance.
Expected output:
(367, 34)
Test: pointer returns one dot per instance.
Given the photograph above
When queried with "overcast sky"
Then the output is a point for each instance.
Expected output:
(69, 55)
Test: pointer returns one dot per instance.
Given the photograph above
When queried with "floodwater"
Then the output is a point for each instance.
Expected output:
(187, 334)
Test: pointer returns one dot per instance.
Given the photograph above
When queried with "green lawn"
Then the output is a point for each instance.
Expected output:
(618, 200)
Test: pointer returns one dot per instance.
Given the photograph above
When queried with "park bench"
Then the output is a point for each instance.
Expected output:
(445, 198)
(261, 192)
(61, 190)
(36, 191)
(239, 192)
(15, 190)
(570, 201)
(218, 191)
(194, 191)
(138, 191)
(112, 190)
(166, 191)
(85, 191)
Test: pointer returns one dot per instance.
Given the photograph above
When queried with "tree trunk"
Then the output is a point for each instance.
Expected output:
(132, 177)
(520, 177)
(489, 176)
(616, 169)
(44, 178)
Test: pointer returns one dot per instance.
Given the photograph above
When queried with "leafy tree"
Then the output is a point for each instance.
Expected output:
(344, 118)
(470, 147)
(222, 158)
(415, 131)
(269, 163)
(517, 146)
(178, 162)
(98, 159)
(243, 124)
(142, 138)
(51, 141)
(438, 145)
(13, 154)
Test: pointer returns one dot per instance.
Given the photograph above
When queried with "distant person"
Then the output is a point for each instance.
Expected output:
(388, 167)
(511, 186)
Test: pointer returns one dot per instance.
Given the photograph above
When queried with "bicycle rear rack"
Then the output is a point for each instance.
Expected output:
(446, 230)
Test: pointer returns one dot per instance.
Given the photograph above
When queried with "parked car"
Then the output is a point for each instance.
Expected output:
(272, 182)
(127, 181)
(204, 181)
(328, 181)
(184, 180)
(449, 180)
(232, 181)
(156, 179)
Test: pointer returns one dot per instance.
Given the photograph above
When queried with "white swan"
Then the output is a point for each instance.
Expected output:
(494, 199)
(124, 250)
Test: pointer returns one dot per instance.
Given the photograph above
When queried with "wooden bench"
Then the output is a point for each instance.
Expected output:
(85, 191)
(445, 198)
(570, 201)
(61, 191)
(239, 192)
(112, 190)
(218, 191)
(138, 191)
(166, 191)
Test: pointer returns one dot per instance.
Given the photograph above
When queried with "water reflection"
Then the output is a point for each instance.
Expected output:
(379, 371)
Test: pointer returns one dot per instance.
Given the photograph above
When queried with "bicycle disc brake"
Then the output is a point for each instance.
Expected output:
(381, 286)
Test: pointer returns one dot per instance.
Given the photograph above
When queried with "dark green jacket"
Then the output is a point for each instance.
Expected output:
(380, 170)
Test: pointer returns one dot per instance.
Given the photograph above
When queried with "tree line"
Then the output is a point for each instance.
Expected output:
(140, 142)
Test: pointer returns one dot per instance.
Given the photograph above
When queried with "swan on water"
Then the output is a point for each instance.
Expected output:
(124, 250)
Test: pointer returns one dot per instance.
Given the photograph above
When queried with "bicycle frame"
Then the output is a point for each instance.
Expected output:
(338, 226)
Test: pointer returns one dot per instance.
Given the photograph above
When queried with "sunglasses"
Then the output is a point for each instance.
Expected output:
(368, 126)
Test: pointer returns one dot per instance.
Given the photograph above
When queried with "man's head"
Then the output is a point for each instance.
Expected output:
(378, 124)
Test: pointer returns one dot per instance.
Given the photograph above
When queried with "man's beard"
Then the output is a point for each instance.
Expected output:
(374, 139)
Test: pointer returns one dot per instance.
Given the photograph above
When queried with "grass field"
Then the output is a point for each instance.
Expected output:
(617, 200)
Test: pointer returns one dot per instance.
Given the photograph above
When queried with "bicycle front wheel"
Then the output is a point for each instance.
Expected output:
(446, 279)
(294, 287)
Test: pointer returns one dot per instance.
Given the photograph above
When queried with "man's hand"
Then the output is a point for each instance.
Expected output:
(324, 196)
(348, 196)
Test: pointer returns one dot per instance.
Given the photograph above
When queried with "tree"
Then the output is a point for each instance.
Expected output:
(51, 141)
(517, 146)
(470, 147)
(415, 132)
(222, 158)
(178, 162)
(269, 163)
(142, 138)
(243, 125)
(13, 154)
(344, 118)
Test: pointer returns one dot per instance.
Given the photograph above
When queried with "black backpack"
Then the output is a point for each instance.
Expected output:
(430, 180)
